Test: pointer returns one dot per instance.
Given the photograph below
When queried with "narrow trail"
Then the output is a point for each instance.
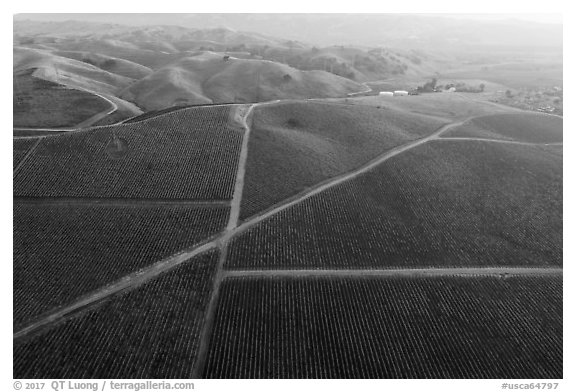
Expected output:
(415, 272)
(119, 202)
(367, 90)
(28, 153)
(221, 240)
(479, 139)
(98, 116)
(238, 188)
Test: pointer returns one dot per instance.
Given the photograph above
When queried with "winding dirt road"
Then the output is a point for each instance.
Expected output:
(479, 139)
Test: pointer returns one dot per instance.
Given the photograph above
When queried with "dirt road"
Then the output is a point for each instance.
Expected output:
(414, 272)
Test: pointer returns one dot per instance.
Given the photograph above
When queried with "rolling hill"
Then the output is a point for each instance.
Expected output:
(208, 78)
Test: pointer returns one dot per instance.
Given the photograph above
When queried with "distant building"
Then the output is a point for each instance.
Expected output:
(386, 94)
(452, 89)
(400, 93)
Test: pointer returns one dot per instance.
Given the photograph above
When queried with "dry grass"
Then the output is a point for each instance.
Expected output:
(42, 104)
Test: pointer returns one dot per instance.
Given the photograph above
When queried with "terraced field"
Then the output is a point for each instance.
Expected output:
(523, 127)
(445, 203)
(64, 252)
(388, 328)
(189, 154)
(151, 332)
(296, 145)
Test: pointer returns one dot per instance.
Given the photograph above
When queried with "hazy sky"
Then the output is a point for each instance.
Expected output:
(555, 18)
(541, 18)
(396, 29)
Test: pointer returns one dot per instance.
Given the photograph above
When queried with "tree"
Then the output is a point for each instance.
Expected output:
(482, 86)
(509, 94)
(428, 87)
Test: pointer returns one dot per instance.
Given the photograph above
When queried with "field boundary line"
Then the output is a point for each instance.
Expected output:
(119, 202)
(432, 271)
(479, 139)
(98, 116)
(209, 316)
(125, 283)
(28, 153)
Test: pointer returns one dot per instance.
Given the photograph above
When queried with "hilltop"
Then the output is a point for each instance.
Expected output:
(208, 78)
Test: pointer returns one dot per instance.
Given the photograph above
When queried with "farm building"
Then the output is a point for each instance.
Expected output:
(452, 89)
(400, 93)
(386, 93)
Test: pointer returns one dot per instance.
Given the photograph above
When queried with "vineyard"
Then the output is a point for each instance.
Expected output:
(388, 328)
(441, 204)
(63, 252)
(150, 332)
(524, 127)
(189, 154)
(20, 148)
(294, 146)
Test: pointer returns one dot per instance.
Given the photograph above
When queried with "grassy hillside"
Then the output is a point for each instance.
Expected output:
(40, 103)
(444, 203)
(524, 127)
(67, 71)
(296, 145)
(118, 66)
(358, 63)
(206, 78)
(120, 49)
